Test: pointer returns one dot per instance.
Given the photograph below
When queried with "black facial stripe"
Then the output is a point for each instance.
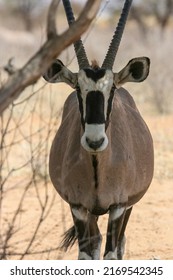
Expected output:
(95, 108)
(95, 75)
(110, 105)
(80, 106)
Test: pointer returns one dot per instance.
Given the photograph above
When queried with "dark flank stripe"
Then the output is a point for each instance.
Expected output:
(80, 106)
(110, 105)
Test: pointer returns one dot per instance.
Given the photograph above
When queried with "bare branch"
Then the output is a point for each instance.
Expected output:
(51, 24)
(52, 48)
(163, 18)
(9, 68)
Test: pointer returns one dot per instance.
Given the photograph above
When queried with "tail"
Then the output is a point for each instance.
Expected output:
(69, 238)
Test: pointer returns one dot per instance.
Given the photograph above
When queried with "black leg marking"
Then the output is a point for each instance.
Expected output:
(83, 239)
(115, 223)
(121, 240)
(95, 237)
(89, 238)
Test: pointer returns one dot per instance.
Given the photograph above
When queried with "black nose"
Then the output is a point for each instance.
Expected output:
(94, 144)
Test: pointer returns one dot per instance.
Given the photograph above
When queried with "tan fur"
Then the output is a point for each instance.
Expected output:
(125, 168)
(94, 64)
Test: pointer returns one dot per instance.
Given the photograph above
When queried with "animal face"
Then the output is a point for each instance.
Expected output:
(95, 98)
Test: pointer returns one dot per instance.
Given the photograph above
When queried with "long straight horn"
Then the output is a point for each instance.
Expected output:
(114, 45)
(78, 45)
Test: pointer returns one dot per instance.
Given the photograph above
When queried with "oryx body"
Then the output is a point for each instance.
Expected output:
(101, 160)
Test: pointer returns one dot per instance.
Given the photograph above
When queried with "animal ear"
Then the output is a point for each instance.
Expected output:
(57, 73)
(136, 70)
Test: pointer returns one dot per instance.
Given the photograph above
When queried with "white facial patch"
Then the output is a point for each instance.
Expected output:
(94, 133)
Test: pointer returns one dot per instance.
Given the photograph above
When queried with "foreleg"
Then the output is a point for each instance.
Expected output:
(89, 238)
(115, 223)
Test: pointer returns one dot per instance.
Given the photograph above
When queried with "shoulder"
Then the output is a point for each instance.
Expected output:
(70, 104)
(126, 99)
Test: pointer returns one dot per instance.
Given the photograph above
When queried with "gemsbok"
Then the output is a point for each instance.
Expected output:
(101, 159)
